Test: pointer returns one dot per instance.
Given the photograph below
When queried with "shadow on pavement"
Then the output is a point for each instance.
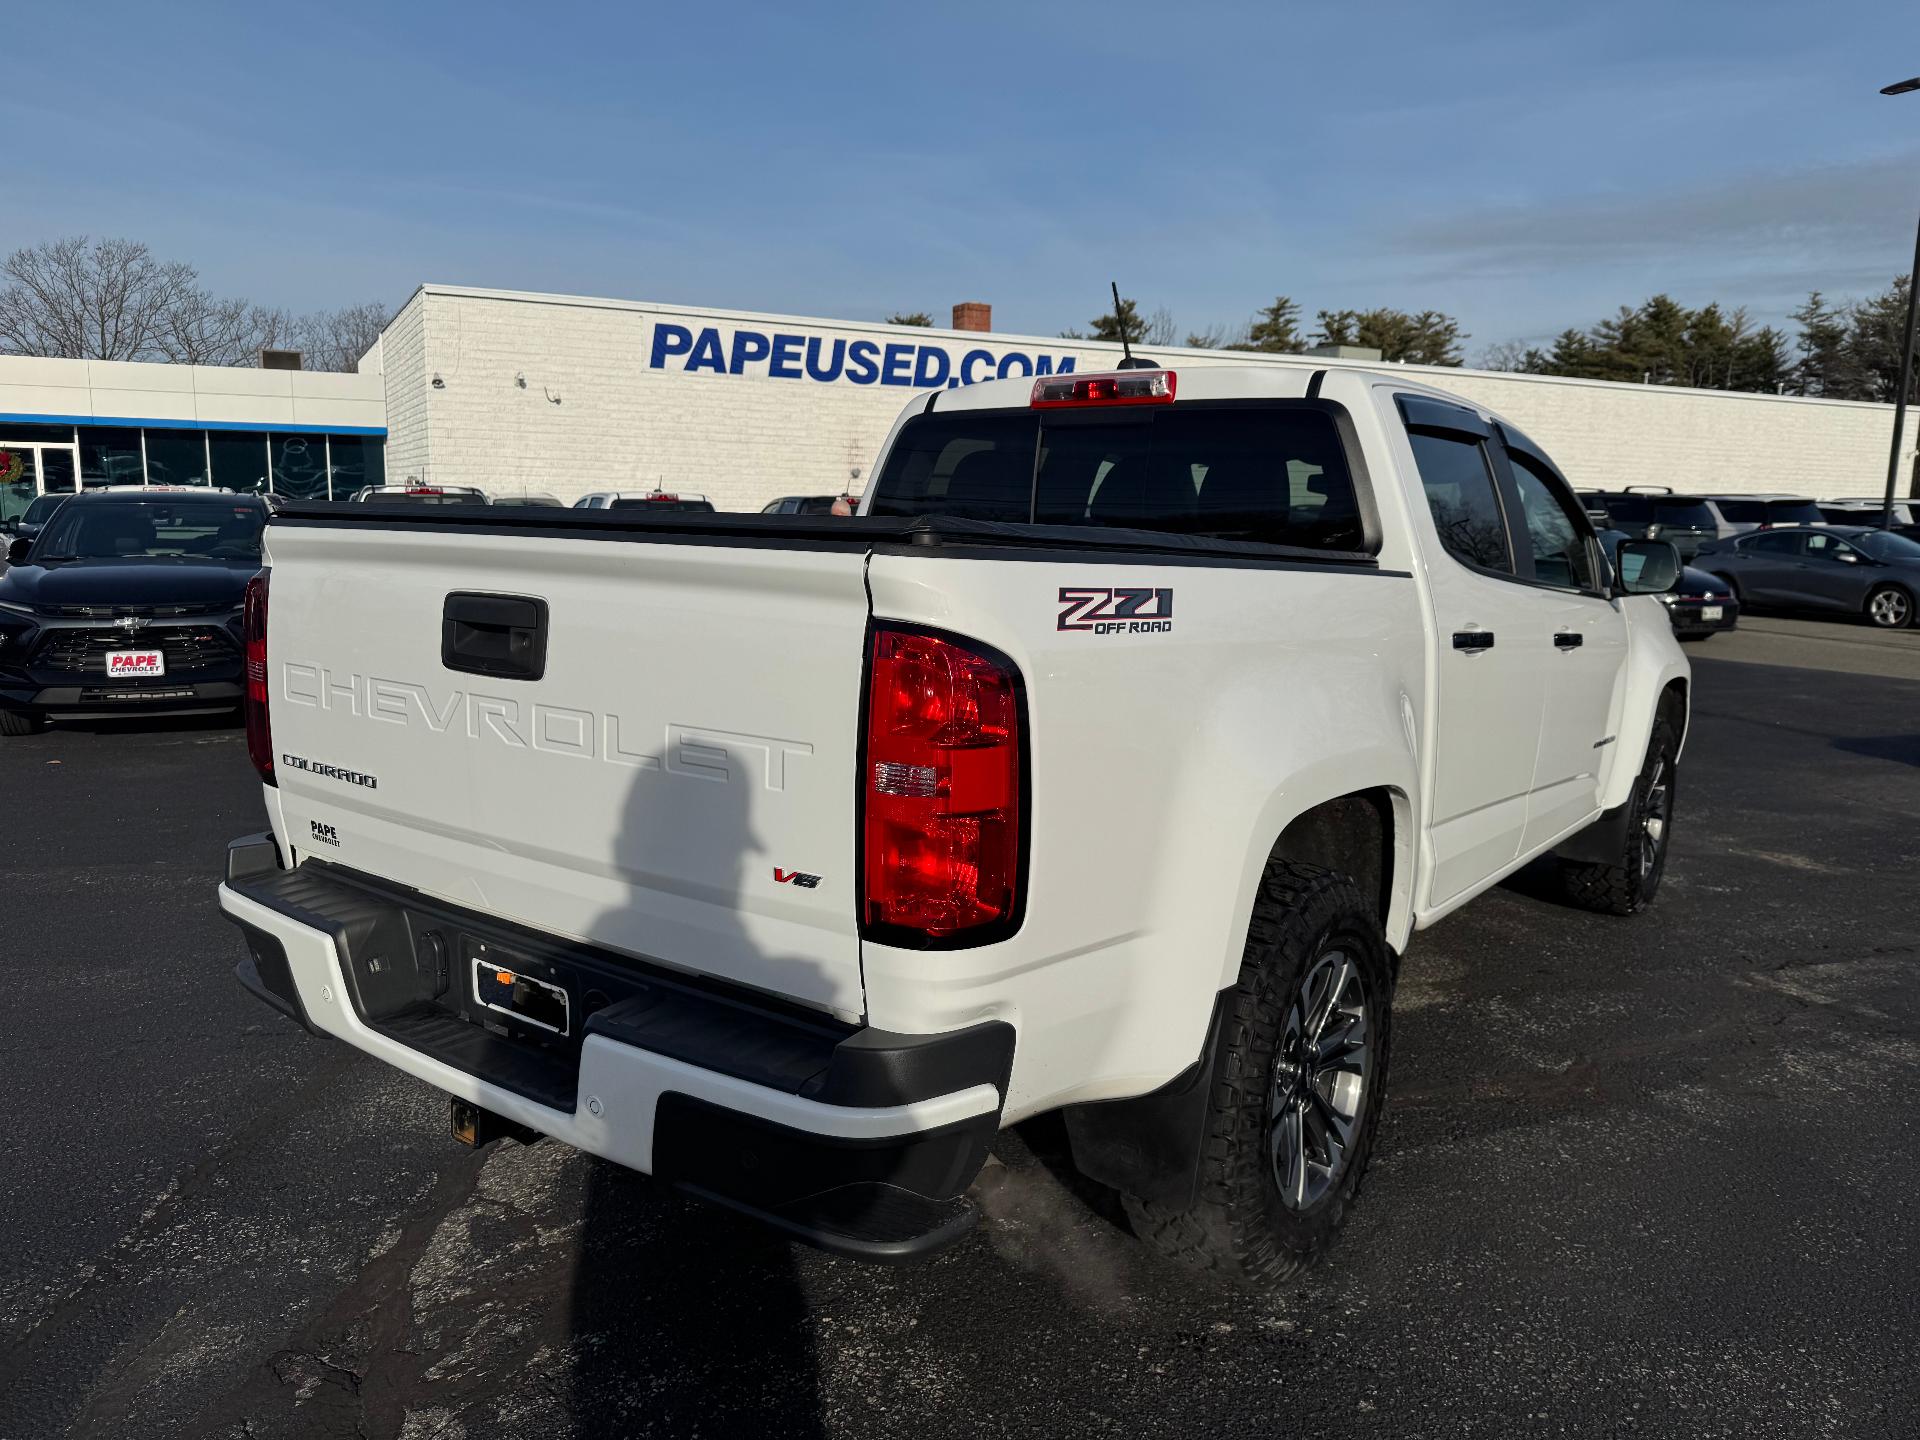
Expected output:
(685, 1317)
(1901, 749)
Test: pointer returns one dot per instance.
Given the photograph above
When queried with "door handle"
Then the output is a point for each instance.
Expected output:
(1569, 640)
(1473, 641)
(504, 636)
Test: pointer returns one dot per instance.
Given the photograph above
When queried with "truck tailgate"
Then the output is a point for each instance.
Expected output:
(678, 783)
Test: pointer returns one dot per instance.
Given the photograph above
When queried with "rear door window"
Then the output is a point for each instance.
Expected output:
(1267, 474)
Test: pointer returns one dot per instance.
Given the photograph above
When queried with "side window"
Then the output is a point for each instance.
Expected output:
(1821, 546)
(1466, 509)
(1777, 543)
(1561, 555)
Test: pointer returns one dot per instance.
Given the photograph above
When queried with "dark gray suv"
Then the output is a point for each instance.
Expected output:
(1652, 512)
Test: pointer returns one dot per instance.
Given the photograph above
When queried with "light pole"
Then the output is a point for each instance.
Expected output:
(1906, 349)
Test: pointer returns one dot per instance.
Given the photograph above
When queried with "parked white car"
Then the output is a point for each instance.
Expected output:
(1107, 763)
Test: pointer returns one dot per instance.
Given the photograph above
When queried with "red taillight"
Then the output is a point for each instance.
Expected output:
(253, 636)
(1121, 387)
(941, 792)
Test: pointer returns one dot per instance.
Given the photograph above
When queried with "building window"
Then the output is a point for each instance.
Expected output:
(239, 460)
(46, 434)
(357, 460)
(176, 457)
(110, 457)
(300, 466)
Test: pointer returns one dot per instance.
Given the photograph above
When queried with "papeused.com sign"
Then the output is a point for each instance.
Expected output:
(826, 360)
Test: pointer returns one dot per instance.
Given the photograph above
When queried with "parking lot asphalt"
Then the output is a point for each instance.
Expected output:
(1653, 1176)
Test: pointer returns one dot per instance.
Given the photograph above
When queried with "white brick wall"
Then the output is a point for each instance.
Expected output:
(402, 359)
(595, 413)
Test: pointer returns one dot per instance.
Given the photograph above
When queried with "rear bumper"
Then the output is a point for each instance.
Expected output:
(857, 1140)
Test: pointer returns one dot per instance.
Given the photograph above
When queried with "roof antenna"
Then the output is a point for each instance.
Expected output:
(1126, 349)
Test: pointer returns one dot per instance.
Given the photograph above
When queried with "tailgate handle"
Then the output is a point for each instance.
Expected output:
(504, 636)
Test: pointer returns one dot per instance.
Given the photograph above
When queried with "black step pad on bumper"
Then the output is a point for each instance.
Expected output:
(403, 958)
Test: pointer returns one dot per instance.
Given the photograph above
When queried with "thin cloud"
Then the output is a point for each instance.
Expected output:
(1849, 219)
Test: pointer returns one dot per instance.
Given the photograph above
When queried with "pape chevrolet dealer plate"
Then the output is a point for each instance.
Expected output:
(135, 664)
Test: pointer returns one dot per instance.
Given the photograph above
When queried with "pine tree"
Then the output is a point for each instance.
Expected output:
(1276, 328)
(1821, 361)
(1429, 338)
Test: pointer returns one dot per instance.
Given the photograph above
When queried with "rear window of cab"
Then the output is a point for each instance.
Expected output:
(1276, 476)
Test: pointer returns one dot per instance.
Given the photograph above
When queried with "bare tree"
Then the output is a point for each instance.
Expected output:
(199, 329)
(1160, 328)
(85, 299)
(1219, 337)
(1507, 355)
(336, 339)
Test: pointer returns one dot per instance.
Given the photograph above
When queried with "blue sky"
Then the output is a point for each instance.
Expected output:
(1524, 167)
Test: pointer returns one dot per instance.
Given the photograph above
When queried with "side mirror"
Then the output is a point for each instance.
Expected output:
(1645, 567)
(17, 551)
(1847, 557)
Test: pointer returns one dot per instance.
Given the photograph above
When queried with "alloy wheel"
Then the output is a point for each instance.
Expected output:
(1889, 608)
(1655, 815)
(1320, 1078)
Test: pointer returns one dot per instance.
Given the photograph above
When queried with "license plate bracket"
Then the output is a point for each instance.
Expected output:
(506, 990)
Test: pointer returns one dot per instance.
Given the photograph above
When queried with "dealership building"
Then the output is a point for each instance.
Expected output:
(561, 395)
(65, 424)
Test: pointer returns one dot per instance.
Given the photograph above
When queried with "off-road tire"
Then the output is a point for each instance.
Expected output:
(1628, 887)
(13, 722)
(1238, 1225)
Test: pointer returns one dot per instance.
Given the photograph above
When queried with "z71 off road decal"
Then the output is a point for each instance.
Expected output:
(1119, 611)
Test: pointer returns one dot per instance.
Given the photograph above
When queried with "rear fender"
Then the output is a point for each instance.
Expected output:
(1384, 771)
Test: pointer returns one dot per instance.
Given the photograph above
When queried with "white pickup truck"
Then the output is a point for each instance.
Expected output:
(1105, 763)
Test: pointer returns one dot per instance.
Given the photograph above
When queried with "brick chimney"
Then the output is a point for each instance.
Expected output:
(973, 315)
